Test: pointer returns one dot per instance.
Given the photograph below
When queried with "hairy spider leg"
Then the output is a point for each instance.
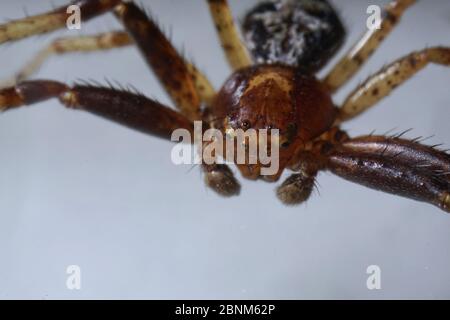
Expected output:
(125, 107)
(397, 166)
(163, 58)
(347, 67)
(176, 77)
(385, 81)
(297, 188)
(306, 164)
(186, 85)
(53, 20)
(220, 178)
(103, 41)
(236, 53)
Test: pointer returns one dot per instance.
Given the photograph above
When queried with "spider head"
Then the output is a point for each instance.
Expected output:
(255, 109)
(277, 109)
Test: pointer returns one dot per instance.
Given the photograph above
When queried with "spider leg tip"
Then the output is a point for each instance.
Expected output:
(3, 100)
(446, 202)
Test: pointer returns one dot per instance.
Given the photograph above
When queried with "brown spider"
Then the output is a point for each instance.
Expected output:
(273, 86)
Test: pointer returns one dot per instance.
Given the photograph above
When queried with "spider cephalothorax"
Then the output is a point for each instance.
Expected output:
(273, 87)
(275, 97)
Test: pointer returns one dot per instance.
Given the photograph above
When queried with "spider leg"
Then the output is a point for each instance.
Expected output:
(382, 83)
(361, 52)
(297, 188)
(103, 41)
(237, 54)
(172, 70)
(99, 42)
(187, 86)
(219, 178)
(130, 109)
(53, 20)
(396, 166)
(184, 83)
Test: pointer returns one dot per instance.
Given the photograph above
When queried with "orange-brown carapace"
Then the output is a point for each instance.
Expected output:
(274, 97)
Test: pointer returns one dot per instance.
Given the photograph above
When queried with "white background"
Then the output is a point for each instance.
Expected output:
(77, 189)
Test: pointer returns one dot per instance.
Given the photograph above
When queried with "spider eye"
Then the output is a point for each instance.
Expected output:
(285, 144)
(245, 124)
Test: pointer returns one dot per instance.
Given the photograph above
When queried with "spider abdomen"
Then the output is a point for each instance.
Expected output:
(302, 33)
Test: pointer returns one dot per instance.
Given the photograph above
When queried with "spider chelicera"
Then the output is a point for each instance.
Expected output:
(273, 86)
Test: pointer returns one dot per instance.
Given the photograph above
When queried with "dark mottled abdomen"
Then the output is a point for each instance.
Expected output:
(303, 33)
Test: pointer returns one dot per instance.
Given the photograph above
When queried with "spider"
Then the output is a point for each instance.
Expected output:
(273, 86)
